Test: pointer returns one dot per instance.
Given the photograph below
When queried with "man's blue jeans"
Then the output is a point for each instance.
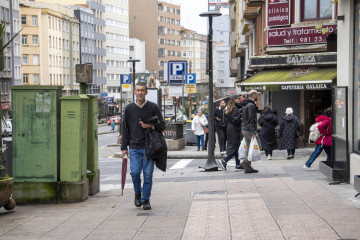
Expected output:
(138, 163)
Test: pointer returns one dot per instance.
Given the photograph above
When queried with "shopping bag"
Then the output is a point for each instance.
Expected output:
(243, 149)
(254, 151)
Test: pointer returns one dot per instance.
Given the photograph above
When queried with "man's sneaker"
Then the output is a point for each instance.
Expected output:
(292, 156)
(238, 168)
(222, 164)
(137, 200)
(308, 168)
(269, 157)
(289, 157)
(146, 205)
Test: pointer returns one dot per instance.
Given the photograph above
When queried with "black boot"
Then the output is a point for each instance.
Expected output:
(137, 200)
(146, 205)
(247, 166)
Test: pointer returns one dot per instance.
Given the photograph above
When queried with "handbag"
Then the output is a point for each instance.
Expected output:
(206, 130)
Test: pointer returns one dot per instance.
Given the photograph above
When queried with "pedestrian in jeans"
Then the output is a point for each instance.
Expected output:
(133, 135)
(248, 126)
(221, 122)
(289, 132)
(325, 140)
(198, 124)
(233, 132)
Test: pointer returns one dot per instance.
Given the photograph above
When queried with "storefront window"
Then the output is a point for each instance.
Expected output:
(357, 81)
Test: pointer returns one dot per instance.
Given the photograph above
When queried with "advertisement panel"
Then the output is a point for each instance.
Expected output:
(278, 12)
(298, 35)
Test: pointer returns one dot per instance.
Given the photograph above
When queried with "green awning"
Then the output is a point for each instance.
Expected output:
(291, 79)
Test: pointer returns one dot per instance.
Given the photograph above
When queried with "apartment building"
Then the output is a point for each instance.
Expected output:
(158, 24)
(50, 47)
(10, 64)
(117, 47)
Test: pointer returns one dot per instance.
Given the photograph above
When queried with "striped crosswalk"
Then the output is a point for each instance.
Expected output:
(181, 164)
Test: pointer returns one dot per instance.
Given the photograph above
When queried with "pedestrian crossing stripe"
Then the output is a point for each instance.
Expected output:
(181, 164)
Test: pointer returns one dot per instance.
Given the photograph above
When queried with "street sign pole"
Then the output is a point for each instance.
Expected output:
(182, 97)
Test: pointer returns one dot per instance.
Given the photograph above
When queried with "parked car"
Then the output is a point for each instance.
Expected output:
(6, 127)
(114, 118)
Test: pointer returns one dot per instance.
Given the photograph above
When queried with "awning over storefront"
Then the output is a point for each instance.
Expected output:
(308, 78)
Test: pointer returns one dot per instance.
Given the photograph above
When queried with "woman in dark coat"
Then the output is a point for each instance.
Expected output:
(234, 135)
(268, 121)
(289, 132)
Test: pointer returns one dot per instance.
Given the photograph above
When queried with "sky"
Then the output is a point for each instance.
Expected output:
(190, 10)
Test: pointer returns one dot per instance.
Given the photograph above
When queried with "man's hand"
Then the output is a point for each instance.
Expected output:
(254, 135)
(217, 118)
(145, 125)
(124, 152)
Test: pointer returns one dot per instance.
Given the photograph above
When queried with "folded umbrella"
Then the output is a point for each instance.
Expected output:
(123, 173)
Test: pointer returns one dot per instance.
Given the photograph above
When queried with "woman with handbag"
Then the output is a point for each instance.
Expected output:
(198, 127)
(234, 135)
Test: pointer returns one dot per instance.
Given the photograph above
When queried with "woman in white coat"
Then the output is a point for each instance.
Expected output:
(197, 126)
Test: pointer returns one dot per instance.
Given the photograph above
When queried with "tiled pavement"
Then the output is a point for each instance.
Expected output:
(281, 202)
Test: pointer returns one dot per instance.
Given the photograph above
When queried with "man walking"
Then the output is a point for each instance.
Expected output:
(248, 127)
(133, 135)
(221, 122)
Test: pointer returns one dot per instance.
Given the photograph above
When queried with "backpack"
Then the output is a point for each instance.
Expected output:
(314, 134)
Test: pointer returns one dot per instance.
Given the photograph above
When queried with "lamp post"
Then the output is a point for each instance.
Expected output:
(211, 164)
(133, 62)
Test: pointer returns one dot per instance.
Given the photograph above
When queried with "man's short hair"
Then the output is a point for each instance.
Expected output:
(222, 100)
(141, 84)
(252, 93)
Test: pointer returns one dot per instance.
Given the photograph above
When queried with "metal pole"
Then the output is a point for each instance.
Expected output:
(120, 107)
(134, 81)
(182, 97)
(211, 164)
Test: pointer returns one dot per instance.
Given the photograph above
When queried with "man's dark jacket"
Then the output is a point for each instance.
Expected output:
(249, 116)
(220, 113)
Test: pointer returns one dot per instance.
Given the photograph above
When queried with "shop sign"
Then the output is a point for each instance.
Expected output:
(289, 87)
(298, 35)
(278, 13)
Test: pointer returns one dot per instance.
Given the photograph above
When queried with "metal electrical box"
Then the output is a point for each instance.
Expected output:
(73, 138)
(92, 147)
(36, 113)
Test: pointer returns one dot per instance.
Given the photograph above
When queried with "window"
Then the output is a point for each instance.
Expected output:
(160, 7)
(24, 39)
(131, 48)
(36, 78)
(315, 10)
(34, 20)
(25, 78)
(23, 19)
(25, 59)
(36, 59)
(161, 30)
(35, 39)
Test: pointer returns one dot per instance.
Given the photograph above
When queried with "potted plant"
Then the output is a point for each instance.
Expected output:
(6, 183)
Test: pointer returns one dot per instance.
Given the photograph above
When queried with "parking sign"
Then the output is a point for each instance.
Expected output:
(190, 78)
(125, 78)
(176, 71)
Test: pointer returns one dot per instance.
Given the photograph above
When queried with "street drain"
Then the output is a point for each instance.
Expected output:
(152, 214)
(210, 193)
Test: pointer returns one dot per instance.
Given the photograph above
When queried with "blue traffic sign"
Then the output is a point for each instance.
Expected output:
(125, 78)
(177, 70)
(190, 78)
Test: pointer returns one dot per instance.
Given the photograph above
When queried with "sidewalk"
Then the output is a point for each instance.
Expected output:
(282, 201)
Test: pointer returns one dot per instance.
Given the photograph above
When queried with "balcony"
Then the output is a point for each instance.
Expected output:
(251, 14)
(254, 3)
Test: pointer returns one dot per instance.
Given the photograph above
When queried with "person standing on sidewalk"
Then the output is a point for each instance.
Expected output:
(221, 122)
(289, 132)
(268, 121)
(198, 124)
(233, 132)
(113, 126)
(325, 140)
(248, 126)
(133, 135)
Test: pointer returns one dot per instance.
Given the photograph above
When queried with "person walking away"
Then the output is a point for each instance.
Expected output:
(207, 134)
(268, 121)
(133, 135)
(233, 132)
(325, 140)
(198, 124)
(221, 122)
(289, 132)
(248, 126)
(112, 126)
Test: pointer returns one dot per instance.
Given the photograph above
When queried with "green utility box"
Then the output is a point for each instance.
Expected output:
(36, 111)
(93, 174)
(74, 133)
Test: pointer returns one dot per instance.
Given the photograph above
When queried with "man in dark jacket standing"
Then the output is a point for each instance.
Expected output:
(221, 122)
(133, 135)
(248, 127)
